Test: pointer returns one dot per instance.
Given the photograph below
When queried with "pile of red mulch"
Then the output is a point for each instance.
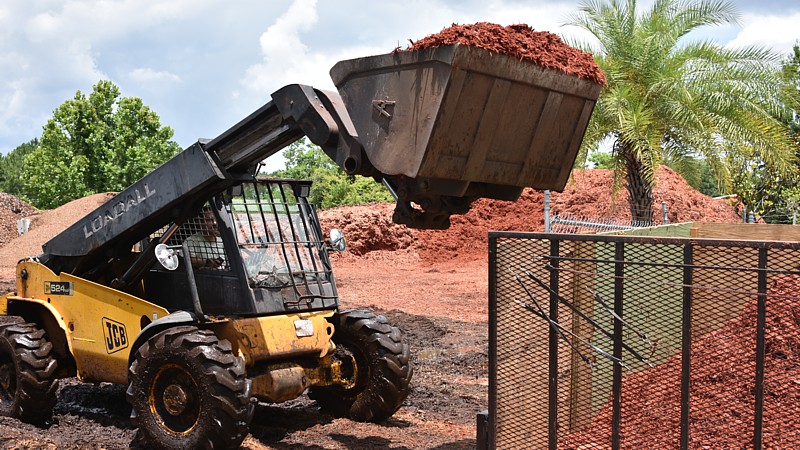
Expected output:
(368, 228)
(723, 383)
(541, 48)
(590, 193)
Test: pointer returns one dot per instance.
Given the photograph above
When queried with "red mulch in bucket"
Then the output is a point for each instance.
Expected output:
(541, 48)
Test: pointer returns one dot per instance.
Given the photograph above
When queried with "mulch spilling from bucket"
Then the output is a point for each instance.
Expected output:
(541, 48)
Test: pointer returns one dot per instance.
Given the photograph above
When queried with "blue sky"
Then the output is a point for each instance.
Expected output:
(203, 65)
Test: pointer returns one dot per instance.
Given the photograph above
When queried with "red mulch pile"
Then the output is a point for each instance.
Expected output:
(542, 48)
(722, 392)
(368, 228)
(589, 193)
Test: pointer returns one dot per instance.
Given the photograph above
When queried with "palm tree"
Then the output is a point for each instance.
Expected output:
(669, 98)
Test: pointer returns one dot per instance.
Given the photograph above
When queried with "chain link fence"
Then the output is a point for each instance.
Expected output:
(559, 222)
(568, 223)
(633, 342)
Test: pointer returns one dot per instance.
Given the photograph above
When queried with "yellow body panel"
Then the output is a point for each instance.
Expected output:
(100, 323)
(273, 337)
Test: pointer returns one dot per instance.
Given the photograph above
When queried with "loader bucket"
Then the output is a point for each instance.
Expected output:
(466, 114)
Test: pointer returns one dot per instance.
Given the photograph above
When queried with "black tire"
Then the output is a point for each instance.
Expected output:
(189, 390)
(27, 368)
(383, 369)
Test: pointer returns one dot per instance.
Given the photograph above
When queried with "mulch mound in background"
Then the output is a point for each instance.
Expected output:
(723, 384)
(541, 48)
(369, 228)
(590, 193)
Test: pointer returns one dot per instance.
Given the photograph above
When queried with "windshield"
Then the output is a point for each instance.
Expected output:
(275, 236)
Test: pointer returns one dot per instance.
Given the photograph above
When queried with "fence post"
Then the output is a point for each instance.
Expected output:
(546, 211)
(583, 287)
(664, 219)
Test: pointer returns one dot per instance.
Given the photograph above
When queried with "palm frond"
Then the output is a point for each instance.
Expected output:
(677, 101)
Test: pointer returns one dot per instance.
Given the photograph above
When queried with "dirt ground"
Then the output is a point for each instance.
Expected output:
(431, 284)
(450, 358)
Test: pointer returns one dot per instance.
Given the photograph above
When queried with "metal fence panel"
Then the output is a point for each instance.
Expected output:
(638, 342)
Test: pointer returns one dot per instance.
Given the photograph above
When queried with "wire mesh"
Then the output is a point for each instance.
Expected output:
(276, 235)
(570, 223)
(631, 342)
(202, 236)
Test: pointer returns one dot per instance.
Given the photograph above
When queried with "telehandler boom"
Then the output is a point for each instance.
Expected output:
(205, 287)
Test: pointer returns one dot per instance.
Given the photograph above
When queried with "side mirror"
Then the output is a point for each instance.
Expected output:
(166, 256)
(337, 241)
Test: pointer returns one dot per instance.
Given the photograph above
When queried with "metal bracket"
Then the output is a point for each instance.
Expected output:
(383, 107)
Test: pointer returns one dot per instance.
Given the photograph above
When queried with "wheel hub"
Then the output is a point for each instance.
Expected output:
(175, 399)
(347, 369)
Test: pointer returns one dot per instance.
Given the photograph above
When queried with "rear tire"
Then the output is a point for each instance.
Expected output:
(188, 390)
(27, 382)
(382, 368)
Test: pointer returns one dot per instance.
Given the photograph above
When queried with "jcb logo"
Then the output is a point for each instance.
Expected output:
(116, 335)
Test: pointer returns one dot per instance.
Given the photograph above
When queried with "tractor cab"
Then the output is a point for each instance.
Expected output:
(256, 248)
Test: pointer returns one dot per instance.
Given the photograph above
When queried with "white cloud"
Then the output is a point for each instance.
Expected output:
(102, 19)
(144, 75)
(188, 58)
(778, 32)
(12, 104)
(50, 48)
(283, 52)
(296, 47)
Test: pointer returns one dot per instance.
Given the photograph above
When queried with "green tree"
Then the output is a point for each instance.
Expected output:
(791, 85)
(772, 195)
(11, 166)
(332, 186)
(667, 96)
(92, 144)
(601, 160)
(707, 182)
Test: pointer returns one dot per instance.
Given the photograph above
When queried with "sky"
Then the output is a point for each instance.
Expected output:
(203, 65)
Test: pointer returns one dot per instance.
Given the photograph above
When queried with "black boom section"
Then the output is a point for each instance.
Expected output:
(178, 187)
(141, 208)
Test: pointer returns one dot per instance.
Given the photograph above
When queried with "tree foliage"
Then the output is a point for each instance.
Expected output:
(670, 99)
(601, 160)
(770, 194)
(100, 143)
(11, 166)
(332, 186)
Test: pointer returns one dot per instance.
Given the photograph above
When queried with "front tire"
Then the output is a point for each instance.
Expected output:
(188, 390)
(27, 368)
(374, 354)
